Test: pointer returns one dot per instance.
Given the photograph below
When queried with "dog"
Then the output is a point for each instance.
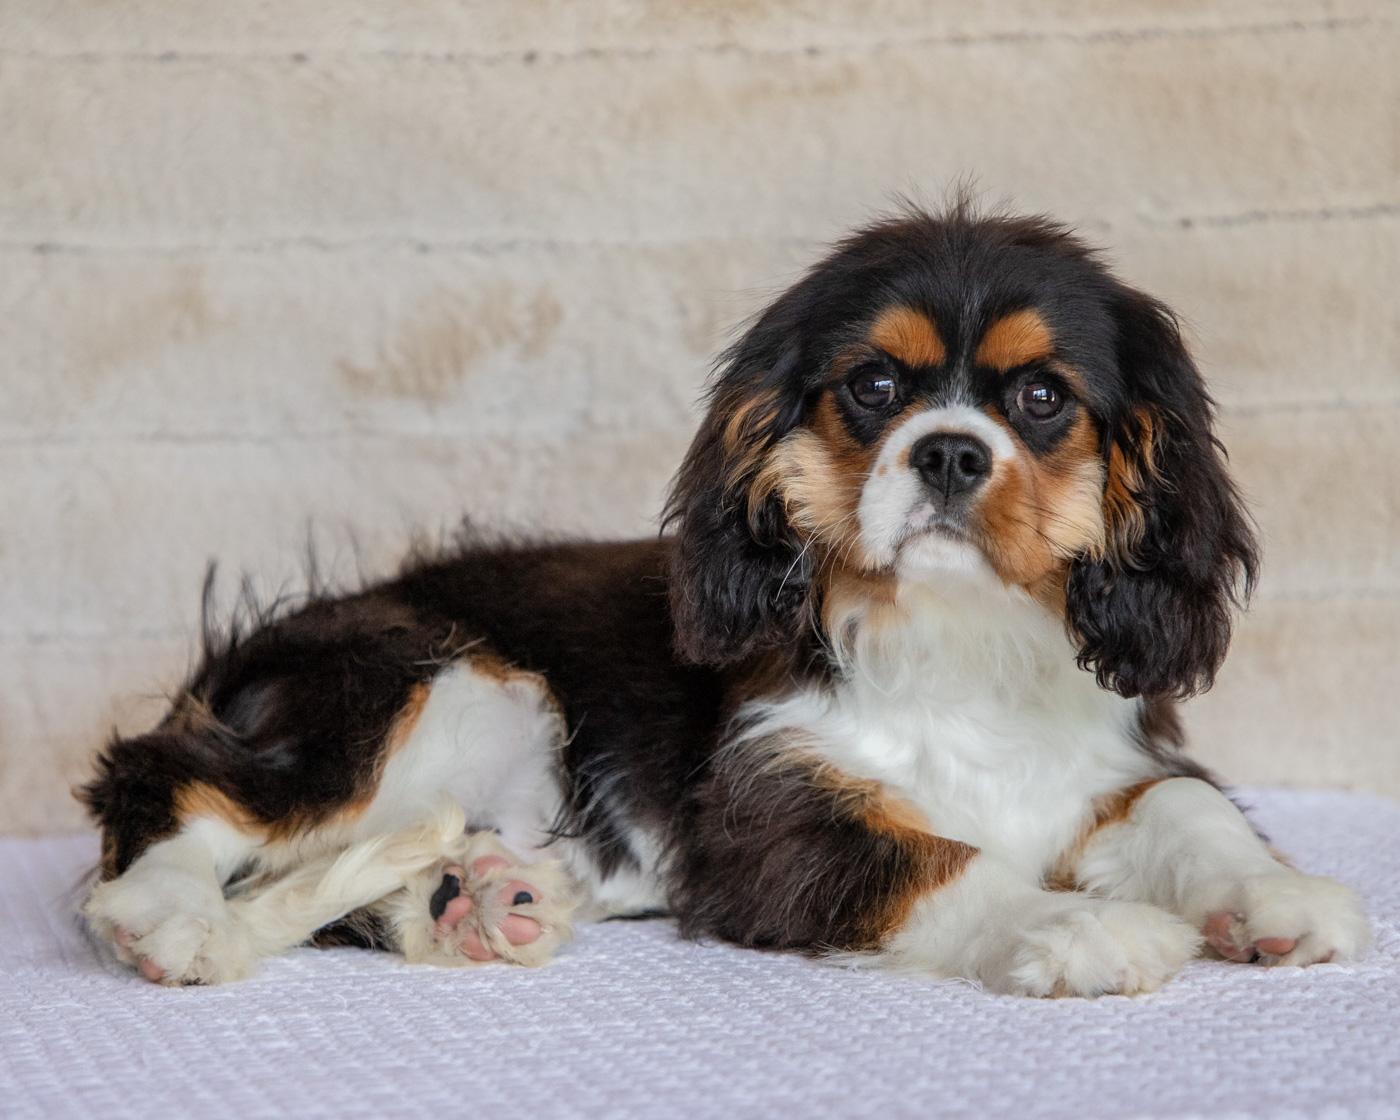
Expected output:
(896, 685)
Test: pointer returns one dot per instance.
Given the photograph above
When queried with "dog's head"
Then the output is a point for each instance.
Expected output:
(955, 392)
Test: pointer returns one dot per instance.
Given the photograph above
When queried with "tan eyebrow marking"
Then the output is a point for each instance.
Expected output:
(1015, 339)
(912, 338)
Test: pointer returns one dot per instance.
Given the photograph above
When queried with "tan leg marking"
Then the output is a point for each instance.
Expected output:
(931, 861)
(201, 799)
(1111, 809)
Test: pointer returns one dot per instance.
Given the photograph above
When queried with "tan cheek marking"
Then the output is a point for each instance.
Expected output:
(799, 471)
(1113, 808)
(1007, 522)
(909, 336)
(1078, 525)
(818, 472)
(1015, 339)
(1071, 489)
(1007, 515)
(1039, 514)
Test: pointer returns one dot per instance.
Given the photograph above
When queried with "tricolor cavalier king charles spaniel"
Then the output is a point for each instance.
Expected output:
(897, 687)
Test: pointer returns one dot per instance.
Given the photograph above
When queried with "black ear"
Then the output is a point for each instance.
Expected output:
(739, 576)
(1152, 611)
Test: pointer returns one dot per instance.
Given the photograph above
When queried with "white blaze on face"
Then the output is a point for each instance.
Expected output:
(894, 504)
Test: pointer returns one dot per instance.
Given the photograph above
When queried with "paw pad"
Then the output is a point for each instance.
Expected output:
(481, 904)
(468, 906)
(1289, 919)
(448, 889)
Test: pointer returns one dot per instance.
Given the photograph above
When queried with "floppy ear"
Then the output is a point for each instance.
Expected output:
(739, 576)
(1152, 612)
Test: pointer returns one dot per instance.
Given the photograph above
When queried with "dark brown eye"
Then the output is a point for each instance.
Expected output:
(1039, 401)
(873, 388)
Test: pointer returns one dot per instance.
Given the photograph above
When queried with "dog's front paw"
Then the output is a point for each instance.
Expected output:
(173, 929)
(1289, 918)
(1094, 947)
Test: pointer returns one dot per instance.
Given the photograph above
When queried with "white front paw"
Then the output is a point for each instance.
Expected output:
(1094, 947)
(1289, 918)
(172, 928)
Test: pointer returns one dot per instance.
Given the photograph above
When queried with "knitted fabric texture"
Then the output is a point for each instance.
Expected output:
(632, 1022)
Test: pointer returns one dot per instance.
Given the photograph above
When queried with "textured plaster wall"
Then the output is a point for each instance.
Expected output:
(371, 265)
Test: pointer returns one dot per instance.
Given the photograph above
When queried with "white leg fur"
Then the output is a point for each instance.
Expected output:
(398, 874)
(285, 912)
(993, 926)
(487, 743)
(168, 908)
(1187, 848)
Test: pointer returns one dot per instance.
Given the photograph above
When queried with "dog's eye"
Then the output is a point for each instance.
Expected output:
(873, 388)
(1039, 401)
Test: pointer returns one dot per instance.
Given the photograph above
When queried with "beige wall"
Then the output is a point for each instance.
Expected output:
(261, 263)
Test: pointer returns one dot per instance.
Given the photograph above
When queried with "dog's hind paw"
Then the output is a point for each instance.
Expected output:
(484, 905)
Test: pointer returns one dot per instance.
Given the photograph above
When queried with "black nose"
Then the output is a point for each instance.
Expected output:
(952, 463)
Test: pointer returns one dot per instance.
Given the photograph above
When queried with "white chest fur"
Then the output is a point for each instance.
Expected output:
(965, 699)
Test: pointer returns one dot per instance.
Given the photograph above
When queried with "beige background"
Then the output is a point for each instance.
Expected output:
(261, 263)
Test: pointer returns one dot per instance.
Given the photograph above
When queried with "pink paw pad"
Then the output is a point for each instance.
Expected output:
(1224, 933)
(456, 914)
(147, 967)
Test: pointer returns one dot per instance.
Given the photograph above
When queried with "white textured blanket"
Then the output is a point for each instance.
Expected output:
(631, 1022)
